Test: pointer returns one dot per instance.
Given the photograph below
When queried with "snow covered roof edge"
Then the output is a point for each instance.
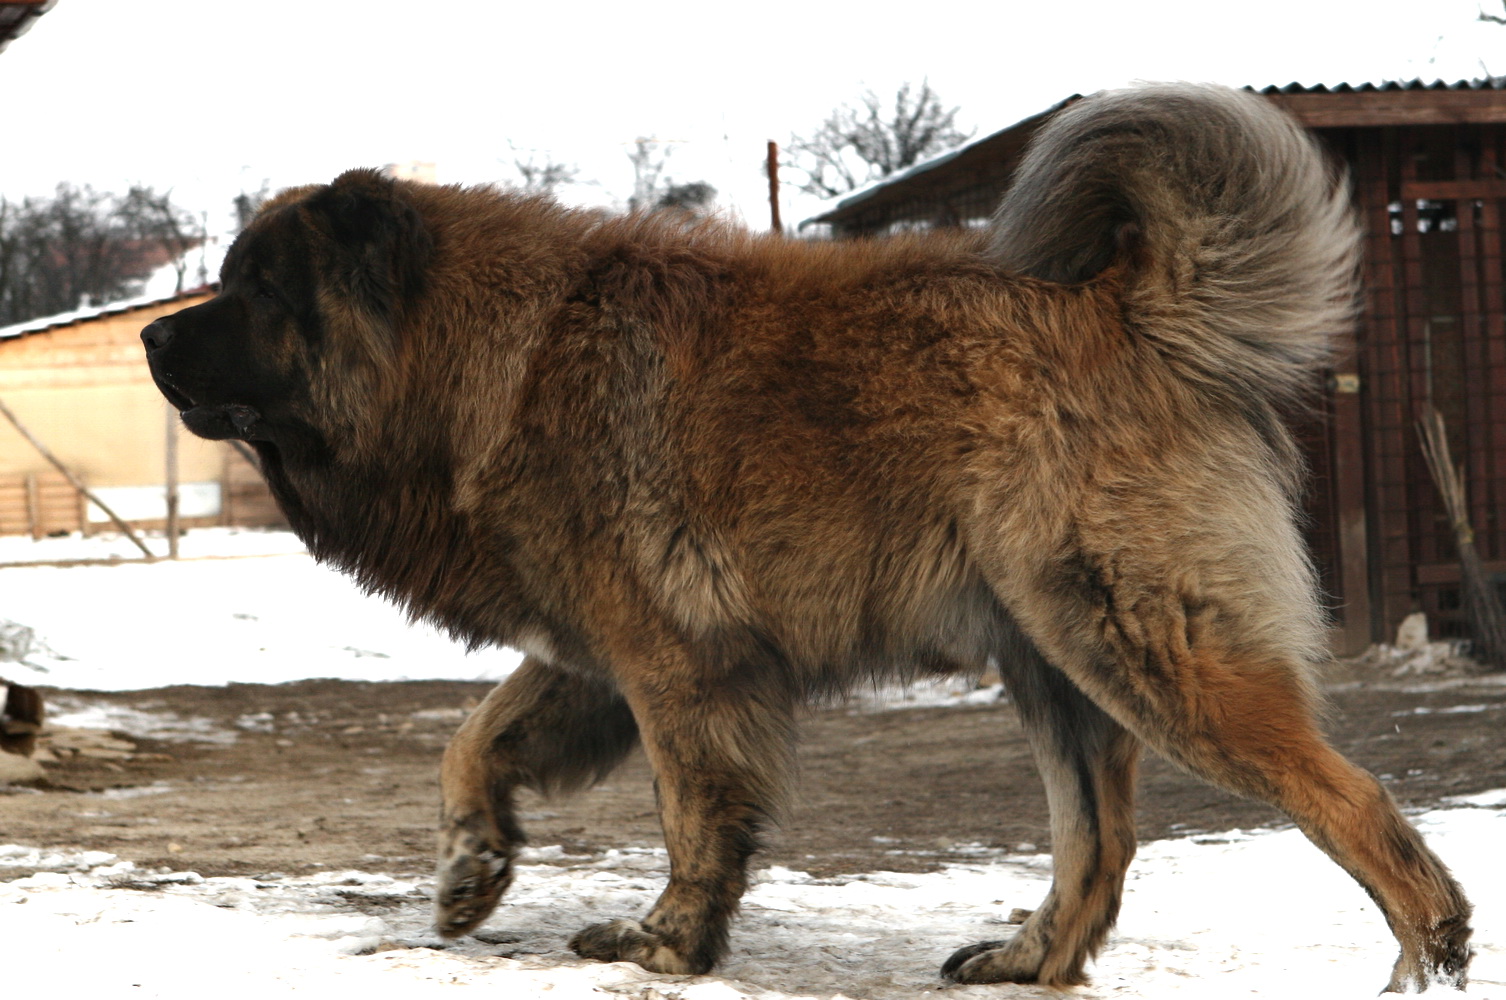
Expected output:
(44, 323)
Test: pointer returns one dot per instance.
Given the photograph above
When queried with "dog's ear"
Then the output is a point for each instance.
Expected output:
(383, 244)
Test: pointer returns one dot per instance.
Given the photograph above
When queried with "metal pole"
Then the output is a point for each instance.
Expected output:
(74, 480)
(170, 456)
(777, 226)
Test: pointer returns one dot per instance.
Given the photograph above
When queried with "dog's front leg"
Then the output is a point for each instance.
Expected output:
(720, 745)
(545, 728)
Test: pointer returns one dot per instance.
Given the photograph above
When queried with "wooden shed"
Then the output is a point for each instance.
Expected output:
(1428, 163)
(79, 383)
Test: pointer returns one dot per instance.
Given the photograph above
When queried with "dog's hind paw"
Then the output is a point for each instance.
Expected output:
(1444, 961)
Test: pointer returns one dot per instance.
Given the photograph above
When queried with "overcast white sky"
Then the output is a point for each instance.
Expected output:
(208, 98)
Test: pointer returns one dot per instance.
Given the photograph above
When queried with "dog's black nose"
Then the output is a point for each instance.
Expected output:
(156, 334)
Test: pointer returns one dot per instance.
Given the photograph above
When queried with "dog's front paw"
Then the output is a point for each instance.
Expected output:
(473, 875)
(628, 941)
(1013, 961)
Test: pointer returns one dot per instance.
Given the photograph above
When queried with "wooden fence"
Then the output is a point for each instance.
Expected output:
(40, 504)
(245, 500)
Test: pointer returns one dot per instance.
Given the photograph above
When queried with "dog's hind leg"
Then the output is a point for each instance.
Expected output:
(1088, 763)
(1247, 728)
(1193, 671)
(543, 728)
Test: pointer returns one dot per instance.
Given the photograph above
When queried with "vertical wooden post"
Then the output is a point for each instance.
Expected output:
(776, 225)
(225, 499)
(1487, 433)
(170, 461)
(1380, 361)
(33, 506)
(1353, 570)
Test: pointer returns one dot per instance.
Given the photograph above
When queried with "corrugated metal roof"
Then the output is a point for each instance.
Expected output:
(45, 323)
(881, 187)
(1485, 83)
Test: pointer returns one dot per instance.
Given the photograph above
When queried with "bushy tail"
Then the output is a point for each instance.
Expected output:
(1242, 246)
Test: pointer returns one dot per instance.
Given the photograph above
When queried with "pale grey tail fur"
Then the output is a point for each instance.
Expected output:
(1242, 244)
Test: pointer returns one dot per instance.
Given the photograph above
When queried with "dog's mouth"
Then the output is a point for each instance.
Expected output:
(219, 423)
(215, 422)
(175, 397)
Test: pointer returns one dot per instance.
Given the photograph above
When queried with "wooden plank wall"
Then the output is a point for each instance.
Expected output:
(44, 503)
(244, 498)
(40, 504)
(1430, 183)
(1433, 336)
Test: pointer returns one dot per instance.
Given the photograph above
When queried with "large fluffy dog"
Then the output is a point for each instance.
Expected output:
(701, 476)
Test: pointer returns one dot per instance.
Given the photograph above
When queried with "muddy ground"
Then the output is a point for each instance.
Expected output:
(332, 774)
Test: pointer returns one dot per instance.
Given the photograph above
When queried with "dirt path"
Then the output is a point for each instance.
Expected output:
(329, 774)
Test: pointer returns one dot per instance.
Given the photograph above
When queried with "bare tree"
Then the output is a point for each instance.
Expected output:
(247, 204)
(60, 253)
(1494, 18)
(693, 199)
(654, 189)
(648, 158)
(541, 173)
(82, 246)
(856, 146)
(152, 220)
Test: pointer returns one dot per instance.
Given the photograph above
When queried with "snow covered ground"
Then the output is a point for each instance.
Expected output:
(1258, 914)
(246, 606)
(1241, 915)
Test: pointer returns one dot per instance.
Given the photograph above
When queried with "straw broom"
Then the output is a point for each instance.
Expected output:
(1482, 605)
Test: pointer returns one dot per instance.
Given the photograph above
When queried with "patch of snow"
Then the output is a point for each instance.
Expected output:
(937, 692)
(268, 613)
(1451, 710)
(1256, 914)
(113, 546)
(19, 856)
(131, 791)
(1495, 799)
(201, 265)
(73, 713)
(202, 620)
(1427, 659)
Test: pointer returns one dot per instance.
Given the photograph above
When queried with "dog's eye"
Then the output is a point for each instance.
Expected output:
(264, 293)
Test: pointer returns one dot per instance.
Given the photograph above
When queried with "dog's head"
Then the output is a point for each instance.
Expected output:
(311, 298)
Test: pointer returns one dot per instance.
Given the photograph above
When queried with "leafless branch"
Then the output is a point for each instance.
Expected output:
(856, 146)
